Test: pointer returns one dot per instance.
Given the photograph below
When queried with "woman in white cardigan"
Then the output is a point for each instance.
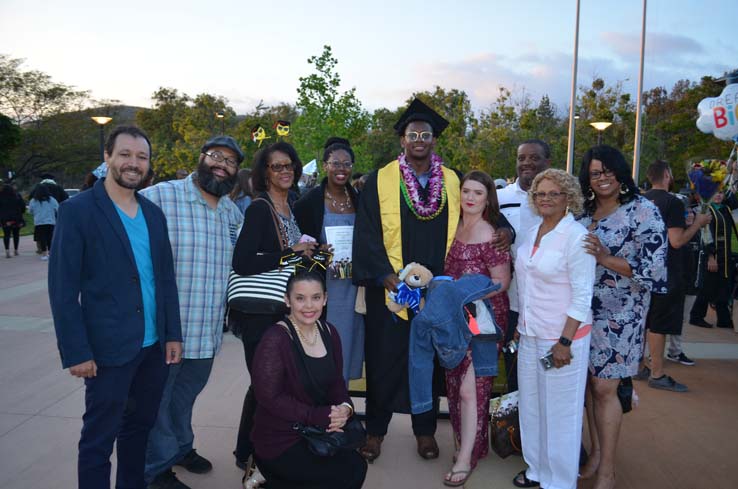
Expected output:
(555, 279)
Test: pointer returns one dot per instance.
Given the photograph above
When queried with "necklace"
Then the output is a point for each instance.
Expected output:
(430, 207)
(302, 337)
(340, 206)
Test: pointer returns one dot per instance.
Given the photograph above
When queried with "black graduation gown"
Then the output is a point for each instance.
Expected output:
(387, 337)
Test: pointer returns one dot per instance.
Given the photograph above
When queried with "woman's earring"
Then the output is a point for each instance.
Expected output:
(623, 189)
(567, 210)
(591, 195)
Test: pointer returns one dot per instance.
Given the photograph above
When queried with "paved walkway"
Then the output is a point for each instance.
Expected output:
(683, 441)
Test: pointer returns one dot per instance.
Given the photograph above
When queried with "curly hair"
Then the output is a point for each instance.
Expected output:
(568, 185)
(261, 161)
(613, 160)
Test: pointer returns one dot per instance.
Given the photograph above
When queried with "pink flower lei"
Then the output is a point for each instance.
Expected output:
(410, 187)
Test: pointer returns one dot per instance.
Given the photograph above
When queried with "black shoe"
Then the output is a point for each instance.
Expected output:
(681, 358)
(241, 464)
(167, 480)
(195, 463)
(729, 325)
(700, 323)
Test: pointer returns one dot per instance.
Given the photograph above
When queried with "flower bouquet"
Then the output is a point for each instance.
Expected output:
(707, 178)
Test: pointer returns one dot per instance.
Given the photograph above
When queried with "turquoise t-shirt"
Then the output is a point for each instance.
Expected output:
(138, 235)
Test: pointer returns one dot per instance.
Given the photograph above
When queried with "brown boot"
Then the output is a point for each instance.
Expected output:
(372, 448)
(427, 447)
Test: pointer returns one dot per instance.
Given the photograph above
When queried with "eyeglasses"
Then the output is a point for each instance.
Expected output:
(218, 157)
(547, 195)
(596, 174)
(346, 165)
(424, 136)
(279, 168)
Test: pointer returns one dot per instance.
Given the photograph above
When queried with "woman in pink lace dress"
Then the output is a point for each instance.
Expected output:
(469, 384)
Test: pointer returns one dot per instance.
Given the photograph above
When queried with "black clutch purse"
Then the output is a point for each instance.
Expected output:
(625, 394)
(325, 444)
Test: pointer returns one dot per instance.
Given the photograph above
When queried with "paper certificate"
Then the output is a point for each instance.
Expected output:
(341, 238)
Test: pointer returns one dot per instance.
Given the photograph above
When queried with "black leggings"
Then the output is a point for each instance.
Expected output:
(7, 231)
(299, 467)
(44, 233)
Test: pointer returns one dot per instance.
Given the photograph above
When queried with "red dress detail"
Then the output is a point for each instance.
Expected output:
(474, 258)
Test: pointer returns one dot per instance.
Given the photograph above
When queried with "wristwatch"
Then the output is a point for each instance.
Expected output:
(565, 341)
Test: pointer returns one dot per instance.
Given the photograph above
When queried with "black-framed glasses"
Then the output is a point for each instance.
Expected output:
(280, 167)
(424, 136)
(547, 195)
(596, 174)
(346, 165)
(219, 157)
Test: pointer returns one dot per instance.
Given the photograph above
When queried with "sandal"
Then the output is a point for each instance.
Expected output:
(372, 448)
(448, 482)
(521, 480)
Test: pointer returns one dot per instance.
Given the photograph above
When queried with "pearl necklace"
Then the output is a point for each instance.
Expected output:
(303, 338)
(340, 206)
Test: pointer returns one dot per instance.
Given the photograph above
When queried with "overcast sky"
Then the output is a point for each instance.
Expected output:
(248, 51)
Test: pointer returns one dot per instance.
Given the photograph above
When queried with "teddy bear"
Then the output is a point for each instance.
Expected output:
(414, 277)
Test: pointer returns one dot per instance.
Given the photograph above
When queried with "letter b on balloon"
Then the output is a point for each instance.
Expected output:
(719, 115)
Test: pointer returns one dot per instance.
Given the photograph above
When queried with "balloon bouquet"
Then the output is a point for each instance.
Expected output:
(719, 116)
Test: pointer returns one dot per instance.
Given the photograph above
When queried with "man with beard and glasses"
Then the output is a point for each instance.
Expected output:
(114, 300)
(203, 228)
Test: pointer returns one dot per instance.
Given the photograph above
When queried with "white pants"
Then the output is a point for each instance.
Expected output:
(551, 409)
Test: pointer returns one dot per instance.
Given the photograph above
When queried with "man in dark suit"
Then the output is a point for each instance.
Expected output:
(116, 313)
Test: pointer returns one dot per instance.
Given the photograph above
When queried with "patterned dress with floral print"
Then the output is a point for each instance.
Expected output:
(474, 258)
(636, 232)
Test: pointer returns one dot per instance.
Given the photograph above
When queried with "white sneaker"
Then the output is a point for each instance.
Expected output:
(44, 258)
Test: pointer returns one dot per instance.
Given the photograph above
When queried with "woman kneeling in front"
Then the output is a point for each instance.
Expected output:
(298, 362)
(555, 285)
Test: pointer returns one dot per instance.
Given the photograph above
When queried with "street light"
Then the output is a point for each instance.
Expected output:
(221, 116)
(600, 126)
(101, 121)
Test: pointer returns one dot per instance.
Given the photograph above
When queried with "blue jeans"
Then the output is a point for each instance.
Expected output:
(120, 405)
(172, 436)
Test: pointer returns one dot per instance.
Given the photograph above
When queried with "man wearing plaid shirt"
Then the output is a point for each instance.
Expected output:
(203, 227)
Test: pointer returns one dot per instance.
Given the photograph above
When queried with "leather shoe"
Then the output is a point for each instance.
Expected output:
(372, 448)
(700, 322)
(427, 446)
(197, 464)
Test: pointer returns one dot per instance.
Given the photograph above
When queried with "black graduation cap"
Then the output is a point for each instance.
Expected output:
(418, 111)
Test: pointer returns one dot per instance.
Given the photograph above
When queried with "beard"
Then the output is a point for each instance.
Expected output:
(209, 183)
(118, 177)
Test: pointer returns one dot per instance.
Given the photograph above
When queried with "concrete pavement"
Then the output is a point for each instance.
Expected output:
(671, 440)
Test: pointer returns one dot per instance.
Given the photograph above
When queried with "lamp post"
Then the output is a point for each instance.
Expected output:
(101, 121)
(221, 116)
(600, 126)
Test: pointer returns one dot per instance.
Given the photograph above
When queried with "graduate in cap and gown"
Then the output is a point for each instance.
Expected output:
(408, 212)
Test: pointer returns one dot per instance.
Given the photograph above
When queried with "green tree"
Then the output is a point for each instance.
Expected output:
(669, 126)
(179, 125)
(324, 111)
(56, 133)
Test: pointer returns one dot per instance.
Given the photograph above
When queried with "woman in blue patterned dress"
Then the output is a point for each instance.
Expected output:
(628, 239)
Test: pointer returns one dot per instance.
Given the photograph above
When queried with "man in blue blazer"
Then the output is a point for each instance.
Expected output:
(116, 313)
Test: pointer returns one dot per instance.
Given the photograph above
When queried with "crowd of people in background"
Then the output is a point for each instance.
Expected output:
(589, 277)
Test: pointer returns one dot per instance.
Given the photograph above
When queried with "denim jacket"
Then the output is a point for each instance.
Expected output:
(442, 327)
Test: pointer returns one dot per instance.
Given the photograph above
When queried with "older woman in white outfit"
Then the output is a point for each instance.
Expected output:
(555, 284)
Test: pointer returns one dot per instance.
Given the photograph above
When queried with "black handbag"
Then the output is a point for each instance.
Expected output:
(319, 441)
(326, 444)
